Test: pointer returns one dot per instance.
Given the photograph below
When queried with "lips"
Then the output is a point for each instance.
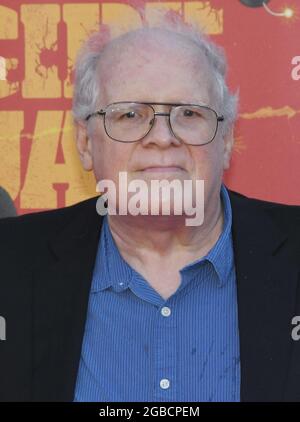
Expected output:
(162, 169)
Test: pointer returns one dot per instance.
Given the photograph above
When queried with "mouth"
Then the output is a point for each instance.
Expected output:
(162, 169)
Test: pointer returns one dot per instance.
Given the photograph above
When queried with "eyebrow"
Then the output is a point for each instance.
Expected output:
(171, 102)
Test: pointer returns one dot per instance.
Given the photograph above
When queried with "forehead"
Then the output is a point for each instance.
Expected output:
(156, 67)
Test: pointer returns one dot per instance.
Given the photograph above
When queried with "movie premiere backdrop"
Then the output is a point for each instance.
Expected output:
(38, 44)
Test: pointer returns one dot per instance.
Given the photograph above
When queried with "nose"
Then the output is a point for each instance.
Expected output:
(160, 133)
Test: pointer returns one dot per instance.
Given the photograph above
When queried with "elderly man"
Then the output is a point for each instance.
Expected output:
(144, 307)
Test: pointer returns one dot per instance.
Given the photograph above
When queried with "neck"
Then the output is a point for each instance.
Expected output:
(147, 240)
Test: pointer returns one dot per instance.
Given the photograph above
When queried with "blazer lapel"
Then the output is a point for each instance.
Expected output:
(266, 288)
(60, 300)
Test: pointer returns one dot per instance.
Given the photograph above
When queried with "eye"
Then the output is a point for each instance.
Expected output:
(188, 112)
(130, 114)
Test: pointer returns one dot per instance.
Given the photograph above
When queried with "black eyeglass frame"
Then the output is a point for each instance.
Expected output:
(155, 113)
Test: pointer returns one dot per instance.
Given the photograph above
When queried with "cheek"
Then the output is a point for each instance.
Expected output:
(208, 163)
(109, 159)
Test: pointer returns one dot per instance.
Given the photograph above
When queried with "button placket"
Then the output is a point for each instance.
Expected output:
(165, 355)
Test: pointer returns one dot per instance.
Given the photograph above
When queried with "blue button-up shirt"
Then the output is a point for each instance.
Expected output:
(138, 346)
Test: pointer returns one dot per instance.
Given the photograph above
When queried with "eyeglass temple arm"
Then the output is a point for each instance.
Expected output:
(100, 113)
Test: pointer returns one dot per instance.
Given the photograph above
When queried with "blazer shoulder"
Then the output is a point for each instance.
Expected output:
(263, 203)
(43, 222)
(25, 237)
(286, 216)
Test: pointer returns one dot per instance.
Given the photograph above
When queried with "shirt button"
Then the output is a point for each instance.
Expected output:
(165, 311)
(164, 383)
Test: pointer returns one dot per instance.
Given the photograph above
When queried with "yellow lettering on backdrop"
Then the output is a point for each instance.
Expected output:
(152, 17)
(11, 124)
(210, 19)
(8, 23)
(41, 72)
(43, 171)
(8, 31)
(81, 20)
(200, 12)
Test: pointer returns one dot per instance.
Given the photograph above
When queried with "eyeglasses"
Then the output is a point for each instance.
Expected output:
(129, 121)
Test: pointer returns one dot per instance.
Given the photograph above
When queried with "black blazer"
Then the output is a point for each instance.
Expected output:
(47, 260)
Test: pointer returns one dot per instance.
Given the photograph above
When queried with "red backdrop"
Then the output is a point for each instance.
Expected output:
(38, 44)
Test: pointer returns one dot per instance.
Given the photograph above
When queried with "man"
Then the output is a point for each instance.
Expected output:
(144, 307)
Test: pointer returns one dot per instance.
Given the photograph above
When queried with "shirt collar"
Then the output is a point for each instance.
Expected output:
(111, 270)
(221, 254)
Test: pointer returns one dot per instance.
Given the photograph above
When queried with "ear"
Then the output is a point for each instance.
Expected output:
(84, 145)
(228, 146)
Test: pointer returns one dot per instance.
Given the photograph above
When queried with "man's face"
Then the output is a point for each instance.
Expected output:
(145, 72)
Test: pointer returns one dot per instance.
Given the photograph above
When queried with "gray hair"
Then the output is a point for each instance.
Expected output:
(86, 86)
